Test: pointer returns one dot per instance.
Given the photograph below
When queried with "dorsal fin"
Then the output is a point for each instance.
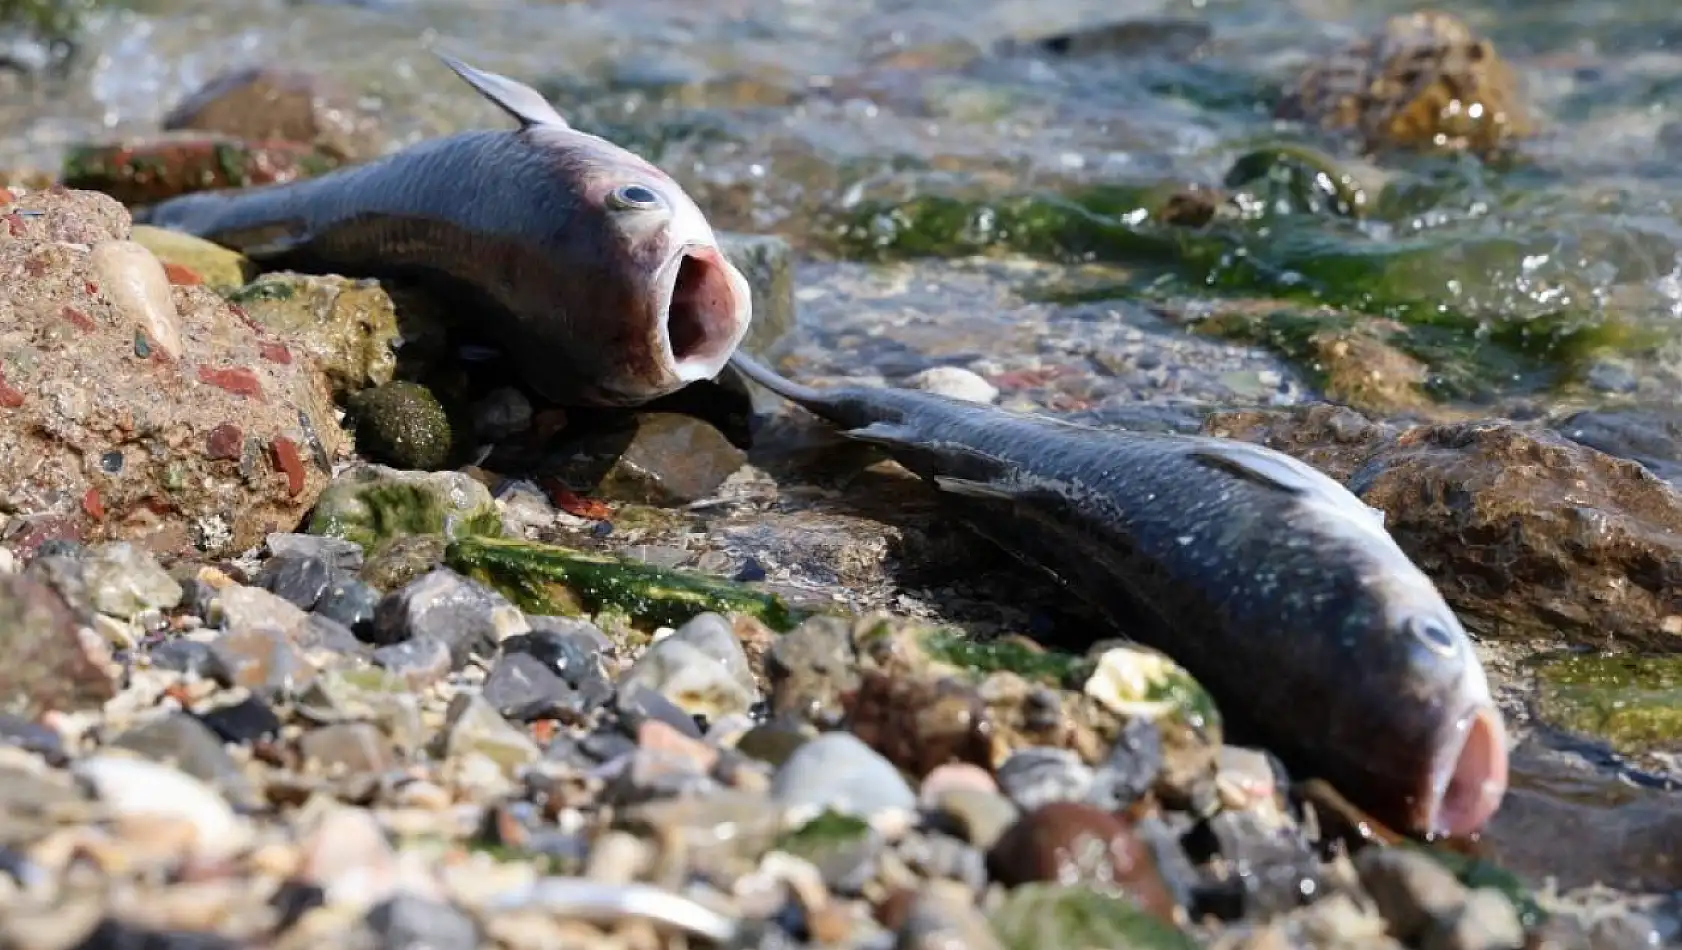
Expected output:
(1275, 469)
(525, 104)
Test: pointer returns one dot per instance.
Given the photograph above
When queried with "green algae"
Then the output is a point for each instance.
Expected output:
(553, 580)
(402, 424)
(1634, 703)
(1475, 872)
(1071, 917)
(375, 504)
(1051, 667)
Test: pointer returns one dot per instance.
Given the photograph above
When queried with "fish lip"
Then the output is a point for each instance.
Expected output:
(693, 369)
(1472, 749)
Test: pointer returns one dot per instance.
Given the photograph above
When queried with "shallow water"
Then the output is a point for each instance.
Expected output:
(812, 117)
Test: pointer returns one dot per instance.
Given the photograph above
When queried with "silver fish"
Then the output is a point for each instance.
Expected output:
(593, 269)
(1271, 583)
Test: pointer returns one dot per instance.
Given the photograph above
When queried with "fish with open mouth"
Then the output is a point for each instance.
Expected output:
(592, 269)
(1271, 583)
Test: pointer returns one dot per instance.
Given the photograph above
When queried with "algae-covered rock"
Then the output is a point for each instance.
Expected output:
(216, 266)
(551, 580)
(371, 503)
(1294, 179)
(1139, 682)
(1634, 703)
(1063, 917)
(1424, 82)
(349, 326)
(402, 424)
(167, 165)
(1017, 655)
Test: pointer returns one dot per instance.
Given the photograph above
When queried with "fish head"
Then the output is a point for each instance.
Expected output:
(1448, 743)
(681, 307)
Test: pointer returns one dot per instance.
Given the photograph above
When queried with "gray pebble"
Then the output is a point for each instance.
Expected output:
(1036, 776)
(942, 856)
(713, 635)
(638, 702)
(837, 770)
(420, 662)
(406, 922)
(193, 657)
(338, 553)
(464, 615)
(692, 679)
(980, 816)
(298, 578)
(524, 688)
(502, 413)
(184, 742)
(350, 601)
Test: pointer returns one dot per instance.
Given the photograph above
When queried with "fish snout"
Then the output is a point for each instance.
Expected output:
(1469, 777)
(703, 312)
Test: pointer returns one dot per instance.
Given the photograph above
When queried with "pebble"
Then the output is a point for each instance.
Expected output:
(300, 579)
(355, 747)
(188, 744)
(420, 662)
(473, 725)
(503, 412)
(1412, 890)
(465, 616)
(980, 817)
(524, 688)
(134, 280)
(351, 602)
(1066, 842)
(406, 922)
(244, 720)
(341, 554)
(838, 771)
(1486, 921)
(125, 581)
(955, 382)
(694, 679)
(137, 788)
(1033, 776)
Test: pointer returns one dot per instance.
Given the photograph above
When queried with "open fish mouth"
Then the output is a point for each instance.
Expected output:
(706, 312)
(1469, 775)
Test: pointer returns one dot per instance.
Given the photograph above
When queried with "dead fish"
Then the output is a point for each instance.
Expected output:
(589, 266)
(1272, 584)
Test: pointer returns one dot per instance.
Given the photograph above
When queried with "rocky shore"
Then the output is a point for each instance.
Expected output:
(321, 634)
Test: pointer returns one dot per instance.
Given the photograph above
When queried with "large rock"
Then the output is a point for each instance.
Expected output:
(1526, 532)
(51, 662)
(138, 410)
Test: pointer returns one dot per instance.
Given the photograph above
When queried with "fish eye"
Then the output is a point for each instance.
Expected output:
(1433, 634)
(634, 198)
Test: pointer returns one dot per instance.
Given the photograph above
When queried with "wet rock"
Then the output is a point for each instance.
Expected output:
(1634, 703)
(403, 425)
(50, 664)
(217, 267)
(1524, 531)
(1035, 777)
(350, 327)
(148, 169)
(1364, 372)
(980, 817)
(123, 580)
(1424, 82)
(662, 459)
(1412, 891)
(1172, 37)
(956, 382)
(1651, 435)
(444, 606)
(472, 725)
(193, 657)
(637, 702)
(369, 504)
(767, 263)
(212, 450)
(571, 648)
(1066, 842)
(1276, 868)
(523, 687)
(263, 103)
(837, 771)
(298, 579)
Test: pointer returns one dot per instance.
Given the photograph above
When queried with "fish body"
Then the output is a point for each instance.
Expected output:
(1272, 584)
(591, 268)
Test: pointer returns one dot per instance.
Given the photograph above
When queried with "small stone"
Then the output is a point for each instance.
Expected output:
(20, 733)
(358, 748)
(299, 579)
(371, 694)
(954, 382)
(338, 553)
(180, 740)
(261, 659)
(938, 919)
(402, 424)
(369, 504)
(124, 580)
(980, 817)
(419, 662)
(348, 856)
(1412, 890)
(49, 664)
(466, 616)
(272, 103)
(1066, 842)
(218, 266)
(194, 657)
(523, 688)
(838, 771)
(133, 279)
(692, 679)
(244, 721)
(637, 702)
(1487, 921)
(955, 776)
(236, 608)
(350, 602)
(406, 922)
(137, 788)
(473, 725)
(1032, 777)
(1131, 768)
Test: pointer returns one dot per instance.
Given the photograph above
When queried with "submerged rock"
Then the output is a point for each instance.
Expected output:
(1634, 703)
(1425, 81)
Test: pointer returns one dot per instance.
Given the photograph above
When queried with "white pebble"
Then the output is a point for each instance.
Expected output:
(133, 279)
(955, 382)
(140, 788)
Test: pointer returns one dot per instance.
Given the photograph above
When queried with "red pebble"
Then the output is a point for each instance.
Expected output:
(93, 505)
(224, 441)
(575, 504)
(181, 274)
(91, 287)
(238, 380)
(287, 459)
(80, 319)
(6, 196)
(10, 398)
(275, 352)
